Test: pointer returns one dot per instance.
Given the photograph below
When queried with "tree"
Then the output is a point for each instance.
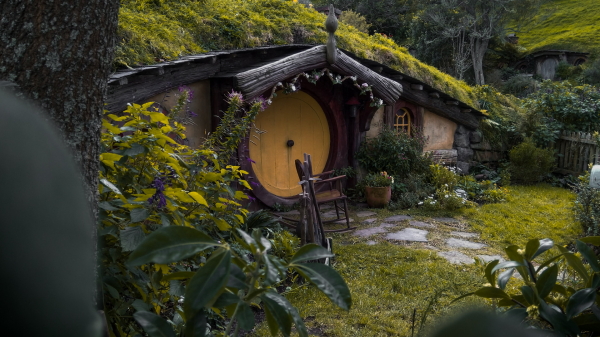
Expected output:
(59, 54)
(356, 20)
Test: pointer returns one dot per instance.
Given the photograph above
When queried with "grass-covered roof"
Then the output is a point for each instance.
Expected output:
(155, 30)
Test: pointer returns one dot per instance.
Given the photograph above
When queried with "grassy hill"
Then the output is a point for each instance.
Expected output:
(573, 25)
(155, 30)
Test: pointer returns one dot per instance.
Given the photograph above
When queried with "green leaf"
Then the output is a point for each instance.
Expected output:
(131, 237)
(588, 254)
(271, 271)
(248, 241)
(282, 301)
(548, 262)
(516, 314)
(179, 275)
(579, 301)
(164, 220)
(279, 315)
(245, 316)
(461, 297)
(153, 324)
(595, 240)
(328, 281)
(529, 295)
(106, 206)
(138, 214)
(546, 281)
(112, 291)
(207, 282)
(134, 150)
(237, 278)
(545, 244)
(110, 185)
(176, 288)
(195, 326)
(558, 320)
(169, 244)
(226, 299)
(271, 322)
(504, 277)
(310, 252)
(512, 253)
(507, 264)
(575, 263)
(531, 248)
(491, 292)
(557, 288)
(140, 305)
(489, 274)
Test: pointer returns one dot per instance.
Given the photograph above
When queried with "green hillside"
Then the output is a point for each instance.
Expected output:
(573, 25)
(155, 30)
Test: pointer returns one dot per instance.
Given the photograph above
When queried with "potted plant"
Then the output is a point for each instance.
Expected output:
(378, 188)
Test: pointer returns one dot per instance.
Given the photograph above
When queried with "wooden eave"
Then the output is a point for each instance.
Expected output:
(273, 64)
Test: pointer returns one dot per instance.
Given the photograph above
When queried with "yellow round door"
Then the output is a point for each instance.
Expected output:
(295, 118)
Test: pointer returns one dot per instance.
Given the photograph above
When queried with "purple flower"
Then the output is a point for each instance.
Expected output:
(364, 85)
(158, 197)
(235, 95)
(255, 184)
(250, 160)
(193, 114)
(263, 103)
(251, 197)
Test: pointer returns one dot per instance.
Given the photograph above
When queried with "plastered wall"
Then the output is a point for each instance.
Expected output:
(439, 130)
(200, 105)
(376, 123)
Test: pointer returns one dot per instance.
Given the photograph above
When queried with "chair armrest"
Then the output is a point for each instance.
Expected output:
(322, 173)
(330, 179)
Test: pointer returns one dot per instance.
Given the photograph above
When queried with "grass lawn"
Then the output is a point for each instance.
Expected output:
(573, 25)
(388, 281)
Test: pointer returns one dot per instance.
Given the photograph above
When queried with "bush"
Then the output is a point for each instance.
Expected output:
(565, 71)
(397, 153)
(520, 86)
(587, 206)
(528, 163)
(354, 19)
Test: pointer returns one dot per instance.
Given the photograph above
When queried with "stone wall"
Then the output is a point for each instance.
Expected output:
(471, 149)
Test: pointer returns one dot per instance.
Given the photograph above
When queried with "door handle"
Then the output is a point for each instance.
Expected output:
(290, 143)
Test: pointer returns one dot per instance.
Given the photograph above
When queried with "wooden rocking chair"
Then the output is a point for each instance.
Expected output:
(330, 194)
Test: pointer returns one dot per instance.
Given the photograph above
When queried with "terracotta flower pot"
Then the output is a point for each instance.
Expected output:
(378, 196)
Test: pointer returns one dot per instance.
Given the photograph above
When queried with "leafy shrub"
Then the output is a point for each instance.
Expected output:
(397, 153)
(443, 176)
(528, 163)
(587, 206)
(547, 301)
(408, 192)
(285, 244)
(446, 196)
(354, 19)
(381, 179)
(520, 86)
(591, 72)
(262, 220)
(565, 71)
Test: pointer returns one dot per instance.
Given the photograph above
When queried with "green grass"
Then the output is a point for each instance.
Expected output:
(151, 30)
(388, 281)
(573, 25)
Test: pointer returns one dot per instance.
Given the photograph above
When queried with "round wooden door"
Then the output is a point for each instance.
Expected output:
(293, 124)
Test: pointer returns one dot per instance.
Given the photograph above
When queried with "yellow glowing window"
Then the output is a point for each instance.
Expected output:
(402, 122)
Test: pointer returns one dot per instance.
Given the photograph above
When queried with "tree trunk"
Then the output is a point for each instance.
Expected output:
(479, 47)
(60, 53)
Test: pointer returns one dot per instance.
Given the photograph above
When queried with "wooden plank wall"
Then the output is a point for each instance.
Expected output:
(576, 151)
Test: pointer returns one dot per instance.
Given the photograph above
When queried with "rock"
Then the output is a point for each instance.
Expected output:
(343, 221)
(386, 225)
(323, 207)
(447, 220)
(455, 257)
(476, 137)
(397, 218)
(461, 129)
(462, 140)
(480, 177)
(488, 258)
(365, 214)
(430, 247)
(452, 242)
(463, 167)
(329, 215)
(371, 242)
(487, 156)
(464, 154)
(369, 231)
(292, 212)
(484, 145)
(465, 235)
(447, 157)
(369, 220)
(421, 224)
(409, 234)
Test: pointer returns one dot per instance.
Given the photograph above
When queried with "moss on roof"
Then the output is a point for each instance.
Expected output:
(155, 30)
(573, 25)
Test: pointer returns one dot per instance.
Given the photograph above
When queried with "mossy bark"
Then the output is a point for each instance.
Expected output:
(59, 53)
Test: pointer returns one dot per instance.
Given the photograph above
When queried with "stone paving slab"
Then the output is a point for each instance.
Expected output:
(421, 224)
(369, 220)
(322, 207)
(362, 205)
(329, 215)
(369, 231)
(447, 220)
(409, 234)
(452, 242)
(456, 257)
(489, 258)
(364, 214)
(431, 247)
(371, 243)
(292, 212)
(343, 221)
(465, 235)
(398, 218)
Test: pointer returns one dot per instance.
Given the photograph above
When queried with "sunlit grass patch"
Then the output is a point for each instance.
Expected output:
(539, 211)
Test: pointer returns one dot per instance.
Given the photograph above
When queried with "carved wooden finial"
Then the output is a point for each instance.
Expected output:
(331, 25)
